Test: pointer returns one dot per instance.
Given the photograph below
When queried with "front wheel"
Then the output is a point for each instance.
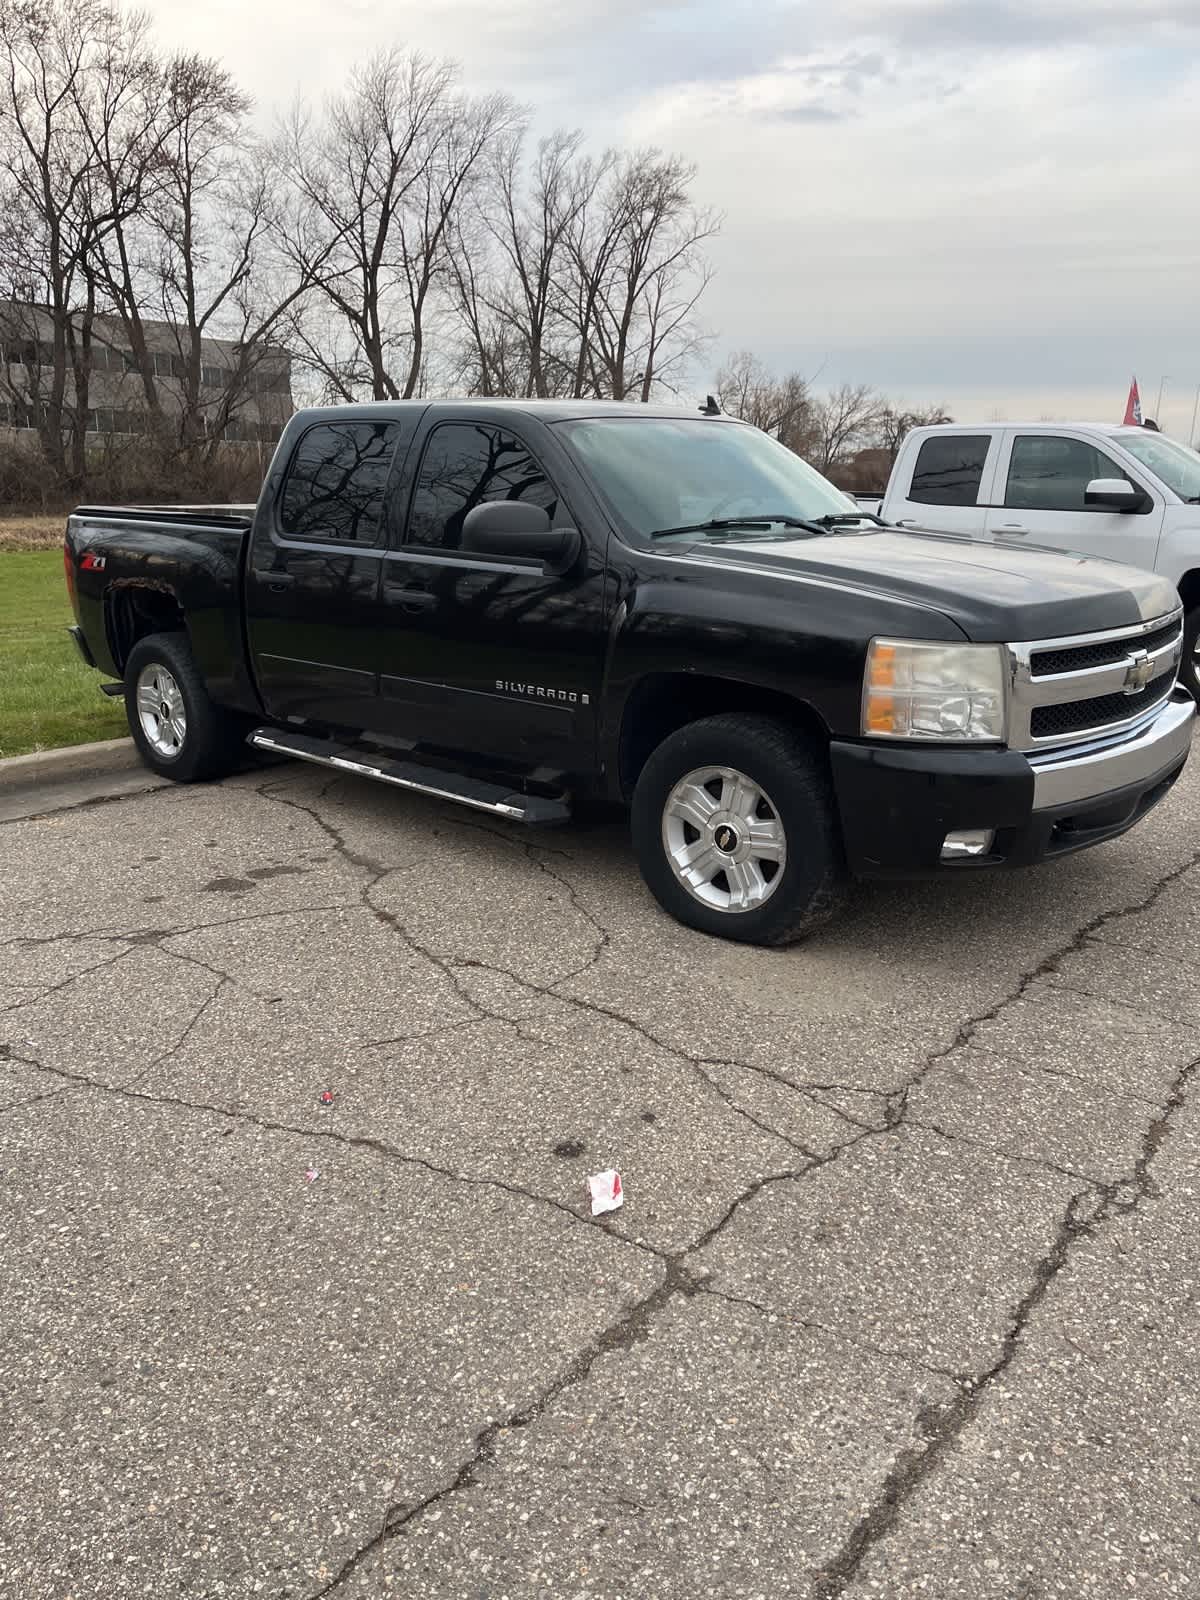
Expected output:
(735, 832)
(179, 732)
(1189, 665)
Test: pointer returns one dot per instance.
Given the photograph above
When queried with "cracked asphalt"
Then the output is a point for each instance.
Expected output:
(903, 1300)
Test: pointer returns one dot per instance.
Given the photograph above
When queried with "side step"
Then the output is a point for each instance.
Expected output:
(500, 799)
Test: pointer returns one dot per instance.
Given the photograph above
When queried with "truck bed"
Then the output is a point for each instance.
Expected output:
(141, 568)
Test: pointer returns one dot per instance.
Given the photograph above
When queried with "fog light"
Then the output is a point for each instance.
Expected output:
(966, 842)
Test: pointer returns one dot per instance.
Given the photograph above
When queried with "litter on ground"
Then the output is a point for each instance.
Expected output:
(606, 1192)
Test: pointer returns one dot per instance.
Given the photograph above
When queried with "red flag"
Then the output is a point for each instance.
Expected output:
(1133, 407)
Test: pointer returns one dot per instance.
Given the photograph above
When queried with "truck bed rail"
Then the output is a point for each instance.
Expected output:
(226, 516)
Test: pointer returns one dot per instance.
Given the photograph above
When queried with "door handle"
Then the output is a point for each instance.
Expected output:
(906, 522)
(1012, 527)
(412, 599)
(275, 581)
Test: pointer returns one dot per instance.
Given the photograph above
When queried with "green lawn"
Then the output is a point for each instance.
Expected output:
(47, 696)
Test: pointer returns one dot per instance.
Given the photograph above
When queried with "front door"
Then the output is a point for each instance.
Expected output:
(481, 654)
(1040, 487)
(312, 583)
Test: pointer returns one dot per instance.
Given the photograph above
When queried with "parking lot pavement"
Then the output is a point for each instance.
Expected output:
(903, 1299)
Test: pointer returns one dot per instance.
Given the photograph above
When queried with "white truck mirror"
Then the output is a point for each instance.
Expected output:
(1114, 494)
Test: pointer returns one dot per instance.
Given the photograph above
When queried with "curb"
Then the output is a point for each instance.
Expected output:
(71, 762)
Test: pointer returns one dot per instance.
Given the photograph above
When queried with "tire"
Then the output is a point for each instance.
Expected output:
(785, 893)
(200, 740)
(1189, 664)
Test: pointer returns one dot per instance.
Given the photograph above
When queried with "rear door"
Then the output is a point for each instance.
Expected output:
(950, 483)
(479, 653)
(1040, 500)
(312, 582)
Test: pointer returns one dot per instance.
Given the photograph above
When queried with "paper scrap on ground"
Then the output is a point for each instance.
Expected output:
(606, 1192)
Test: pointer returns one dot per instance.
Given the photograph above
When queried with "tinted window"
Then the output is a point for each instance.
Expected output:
(334, 487)
(465, 464)
(1050, 473)
(949, 470)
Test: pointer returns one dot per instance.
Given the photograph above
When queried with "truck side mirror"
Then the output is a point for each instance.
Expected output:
(1115, 494)
(521, 532)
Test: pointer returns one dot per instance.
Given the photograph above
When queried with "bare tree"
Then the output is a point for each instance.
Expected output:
(640, 272)
(532, 232)
(210, 219)
(122, 127)
(781, 407)
(377, 185)
(846, 420)
(896, 422)
(351, 172)
(51, 52)
(398, 241)
(462, 133)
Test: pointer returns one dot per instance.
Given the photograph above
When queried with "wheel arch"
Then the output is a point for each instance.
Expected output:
(134, 610)
(663, 702)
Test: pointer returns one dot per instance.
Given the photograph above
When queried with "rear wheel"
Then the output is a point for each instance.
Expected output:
(179, 732)
(734, 827)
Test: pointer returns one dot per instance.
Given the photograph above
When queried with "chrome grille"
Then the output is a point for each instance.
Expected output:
(1078, 688)
(1075, 715)
(1077, 658)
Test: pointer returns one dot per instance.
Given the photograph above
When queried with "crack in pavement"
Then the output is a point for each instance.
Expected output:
(912, 1467)
(451, 970)
(1089, 1209)
(107, 933)
(351, 1141)
(929, 1125)
(1069, 986)
(536, 853)
(1086, 1213)
(74, 977)
(999, 1053)
(619, 1335)
(772, 1313)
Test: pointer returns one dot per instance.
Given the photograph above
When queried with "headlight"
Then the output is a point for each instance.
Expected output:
(933, 691)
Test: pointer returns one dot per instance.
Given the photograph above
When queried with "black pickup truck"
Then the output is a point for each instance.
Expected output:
(522, 606)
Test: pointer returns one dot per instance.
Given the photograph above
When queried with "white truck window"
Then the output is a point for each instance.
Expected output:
(1049, 472)
(1175, 464)
(949, 470)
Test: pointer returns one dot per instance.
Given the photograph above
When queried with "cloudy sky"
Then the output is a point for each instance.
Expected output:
(988, 203)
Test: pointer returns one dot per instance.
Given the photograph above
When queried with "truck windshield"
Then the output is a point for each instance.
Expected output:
(1175, 464)
(661, 473)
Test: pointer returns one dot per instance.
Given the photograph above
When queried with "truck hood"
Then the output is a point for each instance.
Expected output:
(993, 593)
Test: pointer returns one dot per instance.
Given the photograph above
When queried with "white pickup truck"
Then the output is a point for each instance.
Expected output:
(1126, 493)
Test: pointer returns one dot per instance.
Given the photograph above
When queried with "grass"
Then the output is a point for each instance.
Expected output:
(47, 696)
(32, 533)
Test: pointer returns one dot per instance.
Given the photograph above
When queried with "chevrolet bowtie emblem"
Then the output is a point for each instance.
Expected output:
(1139, 673)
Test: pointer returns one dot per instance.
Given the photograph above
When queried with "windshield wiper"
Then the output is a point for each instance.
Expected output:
(842, 519)
(761, 521)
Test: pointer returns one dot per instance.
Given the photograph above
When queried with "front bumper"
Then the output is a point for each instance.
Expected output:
(898, 804)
